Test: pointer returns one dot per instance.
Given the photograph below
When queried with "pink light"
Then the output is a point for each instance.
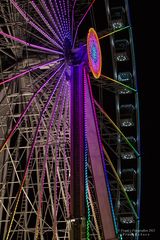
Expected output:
(56, 17)
(82, 21)
(47, 146)
(48, 25)
(25, 16)
(29, 44)
(27, 107)
(29, 70)
(94, 53)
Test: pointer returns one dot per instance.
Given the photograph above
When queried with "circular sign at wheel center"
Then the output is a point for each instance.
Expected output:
(94, 53)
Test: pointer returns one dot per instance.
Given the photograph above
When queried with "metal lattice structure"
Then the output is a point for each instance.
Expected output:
(42, 54)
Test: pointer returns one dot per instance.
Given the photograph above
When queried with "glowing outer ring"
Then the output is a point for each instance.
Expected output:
(93, 42)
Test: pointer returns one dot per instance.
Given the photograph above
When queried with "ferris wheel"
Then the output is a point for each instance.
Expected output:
(69, 132)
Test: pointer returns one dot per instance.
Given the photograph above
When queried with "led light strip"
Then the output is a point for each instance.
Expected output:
(86, 165)
(94, 53)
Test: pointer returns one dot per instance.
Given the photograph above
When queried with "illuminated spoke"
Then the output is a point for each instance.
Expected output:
(59, 28)
(40, 39)
(60, 16)
(39, 66)
(120, 182)
(118, 82)
(116, 127)
(47, 147)
(68, 16)
(30, 155)
(111, 33)
(28, 106)
(29, 44)
(27, 18)
(75, 36)
(73, 9)
(48, 25)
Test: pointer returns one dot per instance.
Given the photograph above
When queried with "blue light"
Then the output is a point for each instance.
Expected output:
(88, 218)
(94, 53)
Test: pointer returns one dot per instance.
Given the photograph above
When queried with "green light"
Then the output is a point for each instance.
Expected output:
(86, 176)
(120, 237)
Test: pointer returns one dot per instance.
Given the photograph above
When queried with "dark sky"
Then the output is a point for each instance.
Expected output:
(144, 25)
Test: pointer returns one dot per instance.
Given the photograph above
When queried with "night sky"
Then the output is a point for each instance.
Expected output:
(146, 50)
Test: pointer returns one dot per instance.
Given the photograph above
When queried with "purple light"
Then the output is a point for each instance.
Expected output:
(24, 15)
(55, 15)
(73, 16)
(75, 36)
(55, 24)
(30, 70)
(59, 14)
(48, 25)
(63, 13)
(94, 53)
(65, 4)
(29, 44)
(68, 15)
(28, 106)
(48, 140)
(34, 142)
